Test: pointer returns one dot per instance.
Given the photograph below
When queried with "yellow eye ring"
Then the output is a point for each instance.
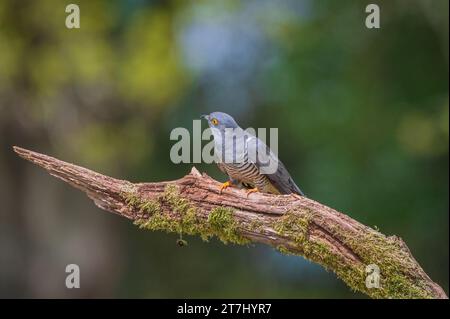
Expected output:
(214, 121)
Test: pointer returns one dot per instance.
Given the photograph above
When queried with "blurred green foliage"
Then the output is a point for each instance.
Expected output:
(362, 117)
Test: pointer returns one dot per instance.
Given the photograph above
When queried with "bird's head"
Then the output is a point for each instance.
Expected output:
(220, 120)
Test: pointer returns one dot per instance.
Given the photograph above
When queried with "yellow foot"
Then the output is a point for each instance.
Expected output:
(252, 190)
(224, 186)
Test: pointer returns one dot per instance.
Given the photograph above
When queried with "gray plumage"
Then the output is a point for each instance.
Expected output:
(239, 156)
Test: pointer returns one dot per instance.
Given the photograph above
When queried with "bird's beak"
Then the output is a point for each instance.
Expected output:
(204, 116)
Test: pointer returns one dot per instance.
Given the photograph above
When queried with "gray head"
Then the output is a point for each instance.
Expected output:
(220, 120)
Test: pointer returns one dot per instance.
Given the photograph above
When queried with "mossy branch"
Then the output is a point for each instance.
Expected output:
(290, 223)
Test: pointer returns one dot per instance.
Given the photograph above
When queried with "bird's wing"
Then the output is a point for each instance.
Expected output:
(278, 175)
(283, 181)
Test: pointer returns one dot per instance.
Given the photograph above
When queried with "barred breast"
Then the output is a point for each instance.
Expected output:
(248, 173)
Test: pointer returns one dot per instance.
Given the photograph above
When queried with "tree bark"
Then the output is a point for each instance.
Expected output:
(290, 223)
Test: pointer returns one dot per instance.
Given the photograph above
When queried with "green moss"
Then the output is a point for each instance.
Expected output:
(399, 276)
(148, 207)
(223, 224)
(256, 225)
(282, 249)
(131, 199)
(183, 217)
(399, 271)
(293, 225)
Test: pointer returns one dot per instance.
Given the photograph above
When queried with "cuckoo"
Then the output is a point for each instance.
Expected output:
(246, 160)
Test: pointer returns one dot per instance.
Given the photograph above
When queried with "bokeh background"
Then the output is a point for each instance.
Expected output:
(362, 117)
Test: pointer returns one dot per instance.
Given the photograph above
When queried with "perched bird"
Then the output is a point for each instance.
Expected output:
(246, 160)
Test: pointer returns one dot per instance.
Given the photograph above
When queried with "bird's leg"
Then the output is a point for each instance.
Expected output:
(225, 185)
(252, 190)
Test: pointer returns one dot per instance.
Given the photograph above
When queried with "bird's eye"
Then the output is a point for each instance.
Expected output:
(214, 121)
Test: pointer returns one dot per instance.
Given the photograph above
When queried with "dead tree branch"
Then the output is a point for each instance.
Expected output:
(290, 223)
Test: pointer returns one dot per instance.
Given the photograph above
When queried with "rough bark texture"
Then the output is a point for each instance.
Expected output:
(290, 223)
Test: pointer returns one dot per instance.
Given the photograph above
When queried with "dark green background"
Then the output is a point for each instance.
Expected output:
(362, 117)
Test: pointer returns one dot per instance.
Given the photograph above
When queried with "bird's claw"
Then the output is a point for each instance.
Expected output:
(224, 186)
(252, 190)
